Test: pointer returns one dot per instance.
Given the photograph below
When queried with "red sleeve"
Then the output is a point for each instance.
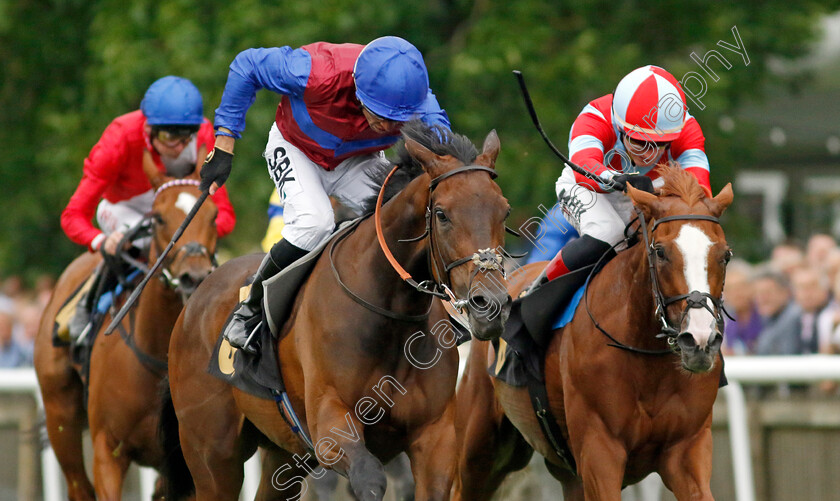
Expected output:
(101, 169)
(206, 136)
(591, 135)
(226, 218)
(689, 150)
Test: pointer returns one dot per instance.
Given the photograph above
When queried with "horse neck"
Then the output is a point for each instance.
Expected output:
(635, 323)
(402, 218)
(158, 308)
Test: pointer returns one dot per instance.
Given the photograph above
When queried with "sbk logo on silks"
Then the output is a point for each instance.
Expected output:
(280, 167)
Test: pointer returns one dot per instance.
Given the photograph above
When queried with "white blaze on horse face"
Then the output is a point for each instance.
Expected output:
(185, 202)
(695, 245)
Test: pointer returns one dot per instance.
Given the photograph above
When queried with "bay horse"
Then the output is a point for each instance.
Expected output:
(122, 404)
(369, 377)
(628, 405)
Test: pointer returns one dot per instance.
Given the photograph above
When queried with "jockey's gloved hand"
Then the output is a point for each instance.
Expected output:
(216, 168)
(637, 181)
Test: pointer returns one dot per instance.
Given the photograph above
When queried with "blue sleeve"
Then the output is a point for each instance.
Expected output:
(433, 114)
(279, 69)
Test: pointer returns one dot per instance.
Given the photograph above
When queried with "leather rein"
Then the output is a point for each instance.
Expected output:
(485, 259)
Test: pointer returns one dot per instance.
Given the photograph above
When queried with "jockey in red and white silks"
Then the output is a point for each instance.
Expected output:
(623, 137)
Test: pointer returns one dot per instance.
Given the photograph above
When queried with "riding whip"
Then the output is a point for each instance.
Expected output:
(115, 321)
(580, 170)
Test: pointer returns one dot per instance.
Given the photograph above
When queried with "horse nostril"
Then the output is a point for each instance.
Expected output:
(686, 341)
(479, 302)
(189, 281)
(715, 340)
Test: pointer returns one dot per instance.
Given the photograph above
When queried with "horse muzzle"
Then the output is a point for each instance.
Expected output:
(488, 314)
(696, 358)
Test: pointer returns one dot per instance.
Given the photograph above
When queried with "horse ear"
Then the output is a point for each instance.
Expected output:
(427, 158)
(490, 150)
(723, 199)
(648, 203)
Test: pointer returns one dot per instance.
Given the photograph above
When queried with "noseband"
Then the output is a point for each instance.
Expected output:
(694, 299)
(484, 259)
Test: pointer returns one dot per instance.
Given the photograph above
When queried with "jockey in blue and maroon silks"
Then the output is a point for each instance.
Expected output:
(342, 105)
(623, 137)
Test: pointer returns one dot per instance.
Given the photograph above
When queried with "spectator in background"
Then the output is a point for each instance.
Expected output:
(785, 257)
(44, 285)
(740, 336)
(29, 318)
(818, 249)
(812, 295)
(779, 315)
(832, 266)
(275, 222)
(13, 288)
(11, 353)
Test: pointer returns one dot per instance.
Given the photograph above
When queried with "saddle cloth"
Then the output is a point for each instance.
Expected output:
(521, 351)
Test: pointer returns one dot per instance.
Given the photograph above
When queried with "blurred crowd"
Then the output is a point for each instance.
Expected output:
(787, 305)
(20, 314)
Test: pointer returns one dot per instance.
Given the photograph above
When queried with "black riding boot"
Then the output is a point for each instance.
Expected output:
(282, 254)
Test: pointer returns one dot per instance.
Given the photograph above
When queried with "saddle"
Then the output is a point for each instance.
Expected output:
(521, 351)
(259, 374)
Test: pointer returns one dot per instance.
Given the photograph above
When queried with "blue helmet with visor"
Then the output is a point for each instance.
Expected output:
(391, 79)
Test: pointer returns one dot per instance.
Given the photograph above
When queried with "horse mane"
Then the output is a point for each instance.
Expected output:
(680, 183)
(439, 140)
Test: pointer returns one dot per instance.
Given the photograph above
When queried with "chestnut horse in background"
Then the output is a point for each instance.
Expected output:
(624, 414)
(123, 404)
(367, 381)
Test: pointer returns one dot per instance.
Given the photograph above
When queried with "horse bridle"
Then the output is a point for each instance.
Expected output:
(144, 228)
(694, 299)
(484, 259)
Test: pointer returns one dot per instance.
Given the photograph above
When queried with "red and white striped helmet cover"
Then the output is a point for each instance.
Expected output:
(649, 104)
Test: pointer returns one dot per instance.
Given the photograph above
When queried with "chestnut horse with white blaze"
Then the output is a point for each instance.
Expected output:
(627, 401)
(123, 403)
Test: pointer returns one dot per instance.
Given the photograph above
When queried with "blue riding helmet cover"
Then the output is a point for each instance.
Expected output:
(172, 100)
(391, 78)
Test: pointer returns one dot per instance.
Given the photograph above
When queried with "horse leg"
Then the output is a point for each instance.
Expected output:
(572, 486)
(434, 455)
(340, 442)
(489, 446)
(400, 478)
(110, 463)
(687, 468)
(211, 441)
(283, 476)
(62, 393)
(601, 463)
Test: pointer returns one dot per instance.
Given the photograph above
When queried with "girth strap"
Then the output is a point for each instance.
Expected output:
(548, 424)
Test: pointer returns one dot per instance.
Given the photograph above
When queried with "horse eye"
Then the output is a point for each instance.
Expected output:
(507, 215)
(157, 218)
(727, 256)
(441, 215)
(660, 251)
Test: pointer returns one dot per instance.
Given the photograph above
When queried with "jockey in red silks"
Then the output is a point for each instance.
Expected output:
(342, 105)
(623, 137)
(168, 132)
